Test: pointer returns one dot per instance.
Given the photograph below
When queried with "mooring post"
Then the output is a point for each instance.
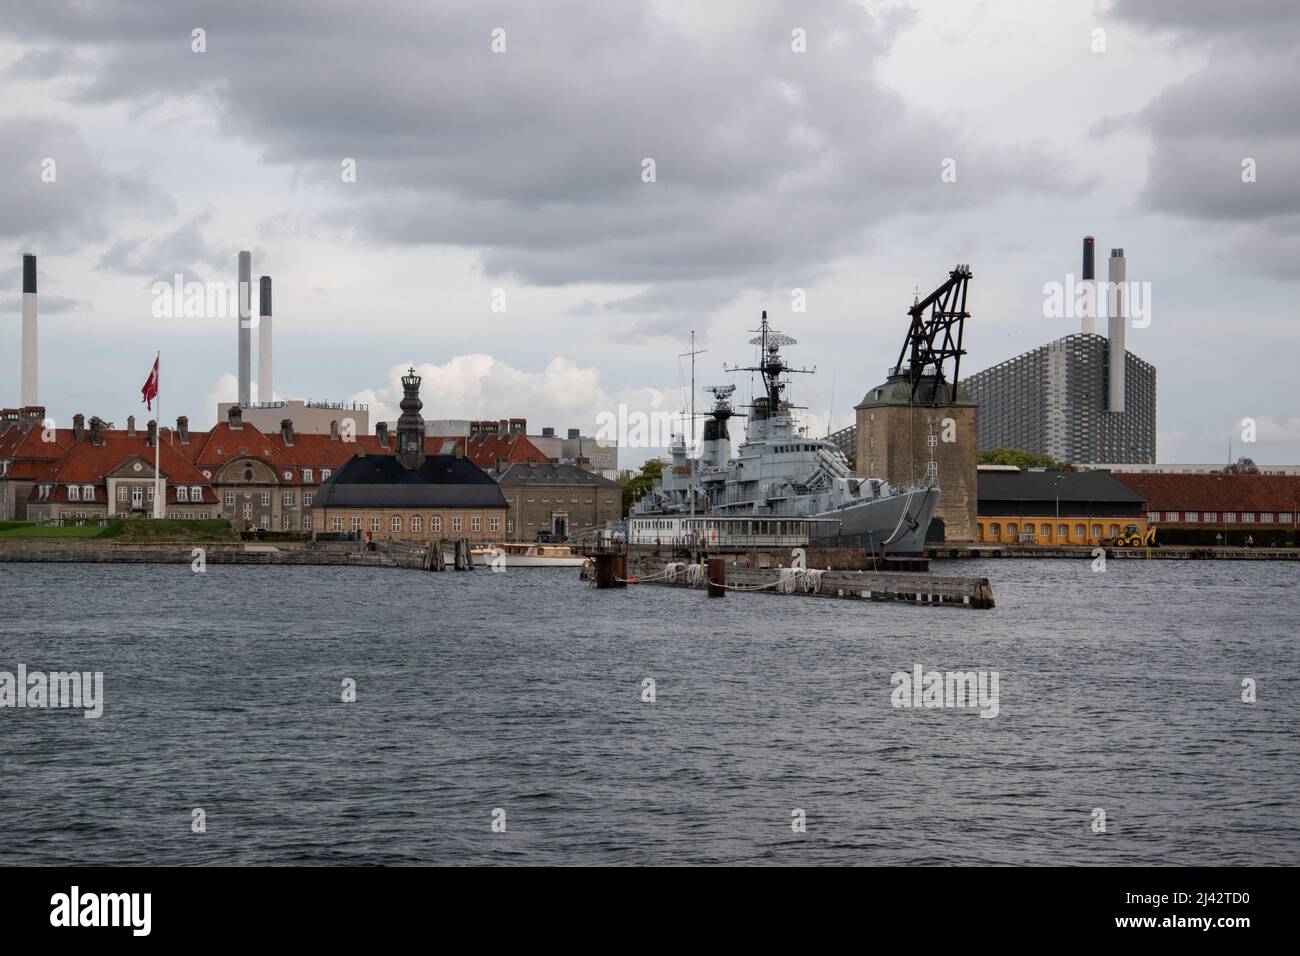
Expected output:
(717, 577)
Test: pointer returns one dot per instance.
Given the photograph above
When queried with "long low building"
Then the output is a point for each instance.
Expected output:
(1056, 508)
(1214, 509)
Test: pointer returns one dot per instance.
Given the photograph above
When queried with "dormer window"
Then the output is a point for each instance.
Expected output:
(325, 474)
(87, 492)
(306, 474)
(74, 493)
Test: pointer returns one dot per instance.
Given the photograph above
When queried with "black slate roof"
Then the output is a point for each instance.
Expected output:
(1042, 486)
(554, 474)
(381, 481)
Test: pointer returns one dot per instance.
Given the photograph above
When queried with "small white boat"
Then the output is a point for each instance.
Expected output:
(523, 554)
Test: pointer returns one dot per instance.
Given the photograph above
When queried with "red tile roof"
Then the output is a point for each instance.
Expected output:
(1216, 492)
(88, 464)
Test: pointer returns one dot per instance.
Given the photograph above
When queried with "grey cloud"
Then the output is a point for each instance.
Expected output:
(185, 250)
(77, 207)
(769, 163)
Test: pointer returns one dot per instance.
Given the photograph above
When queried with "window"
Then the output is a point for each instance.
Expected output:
(150, 494)
(397, 523)
(435, 522)
(1113, 531)
(356, 523)
(306, 474)
(74, 493)
(1013, 529)
(455, 523)
(1080, 531)
(196, 493)
(1211, 516)
(306, 499)
(476, 523)
(286, 499)
(995, 530)
(1230, 517)
(266, 498)
(1096, 531)
(1284, 517)
(336, 524)
(203, 516)
(494, 524)
(248, 510)
(374, 524)
(306, 522)
(1171, 515)
(182, 493)
(284, 522)
(510, 526)
(1266, 517)
(137, 496)
(123, 492)
(1248, 517)
(1062, 532)
(1153, 515)
(230, 499)
(266, 522)
(87, 492)
(417, 523)
(325, 474)
(1191, 516)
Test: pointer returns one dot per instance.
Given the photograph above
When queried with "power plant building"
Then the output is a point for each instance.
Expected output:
(1082, 398)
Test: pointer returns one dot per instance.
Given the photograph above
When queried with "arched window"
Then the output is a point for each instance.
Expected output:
(1113, 531)
(397, 522)
(417, 525)
(435, 523)
(995, 531)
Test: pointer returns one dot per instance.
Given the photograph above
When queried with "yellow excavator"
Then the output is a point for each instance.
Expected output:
(1133, 538)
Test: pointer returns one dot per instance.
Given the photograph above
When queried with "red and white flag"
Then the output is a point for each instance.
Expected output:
(150, 390)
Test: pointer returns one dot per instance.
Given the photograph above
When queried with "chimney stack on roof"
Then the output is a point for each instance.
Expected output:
(235, 416)
(153, 432)
(334, 430)
(78, 426)
(1089, 277)
(245, 330)
(286, 430)
(1117, 310)
(264, 389)
(183, 429)
(381, 432)
(130, 426)
(28, 387)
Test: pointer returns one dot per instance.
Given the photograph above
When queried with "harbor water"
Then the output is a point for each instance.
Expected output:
(511, 718)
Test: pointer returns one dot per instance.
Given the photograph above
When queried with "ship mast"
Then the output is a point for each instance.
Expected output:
(690, 447)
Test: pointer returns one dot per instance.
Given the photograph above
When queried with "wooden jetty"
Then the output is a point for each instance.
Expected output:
(610, 568)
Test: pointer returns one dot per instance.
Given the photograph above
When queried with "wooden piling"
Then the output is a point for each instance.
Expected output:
(717, 571)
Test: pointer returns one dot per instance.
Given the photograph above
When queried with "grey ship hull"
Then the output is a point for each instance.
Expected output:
(893, 525)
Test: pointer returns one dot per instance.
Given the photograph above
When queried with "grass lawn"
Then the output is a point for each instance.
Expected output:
(126, 529)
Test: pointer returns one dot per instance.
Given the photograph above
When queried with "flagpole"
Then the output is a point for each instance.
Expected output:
(157, 445)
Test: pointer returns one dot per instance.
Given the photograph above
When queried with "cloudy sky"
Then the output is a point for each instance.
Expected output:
(522, 170)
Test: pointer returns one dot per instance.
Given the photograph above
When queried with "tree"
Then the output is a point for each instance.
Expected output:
(1243, 466)
(638, 485)
(1016, 456)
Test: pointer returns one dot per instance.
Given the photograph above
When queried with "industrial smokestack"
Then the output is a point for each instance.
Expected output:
(1089, 277)
(264, 393)
(1117, 310)
(28, 387)
(245, 333)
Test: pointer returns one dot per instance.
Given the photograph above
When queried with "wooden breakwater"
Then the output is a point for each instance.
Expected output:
(717, 577)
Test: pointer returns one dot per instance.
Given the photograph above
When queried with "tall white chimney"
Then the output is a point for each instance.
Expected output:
(1089, 279)
(28, 388)
(245, 333)
(1117, 310)
(264, 393)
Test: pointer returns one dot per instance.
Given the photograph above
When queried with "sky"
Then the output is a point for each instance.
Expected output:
(502, 231)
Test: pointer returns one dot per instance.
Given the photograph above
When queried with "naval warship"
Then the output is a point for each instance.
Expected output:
(779, 472)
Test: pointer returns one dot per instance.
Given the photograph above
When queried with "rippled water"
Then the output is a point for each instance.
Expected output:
(522, 691)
